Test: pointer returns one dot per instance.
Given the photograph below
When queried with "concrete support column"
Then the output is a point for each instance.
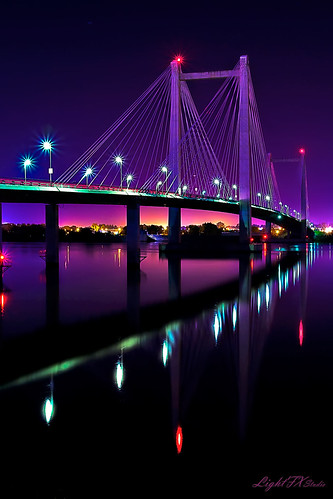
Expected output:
(133, 234)
(244, 154)
(52, 233)
(174, 225)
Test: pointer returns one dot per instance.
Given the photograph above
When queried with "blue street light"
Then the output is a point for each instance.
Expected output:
(119, 161)
(47, 146)
(27, 162)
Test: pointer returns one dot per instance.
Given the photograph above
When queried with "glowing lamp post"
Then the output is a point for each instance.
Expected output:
(26, 164)
(217, 182)
(119, 161)
(158, 185)
(235, 189)
(47, 146)
(88, 173)
(129, 179)
(267, 198)
(165, 170)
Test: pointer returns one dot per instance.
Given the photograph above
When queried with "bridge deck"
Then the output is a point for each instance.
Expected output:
(34, 191)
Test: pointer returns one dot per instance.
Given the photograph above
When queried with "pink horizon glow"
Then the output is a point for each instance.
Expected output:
(85, 216)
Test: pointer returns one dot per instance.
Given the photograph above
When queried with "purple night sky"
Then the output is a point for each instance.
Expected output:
(69, 69)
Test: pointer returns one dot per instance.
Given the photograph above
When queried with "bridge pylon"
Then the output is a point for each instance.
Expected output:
(177, 77)
(174, 218)
(244, 154)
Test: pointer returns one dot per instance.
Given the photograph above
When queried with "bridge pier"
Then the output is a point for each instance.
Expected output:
(52, 234)
(133, 234)
(174, 225)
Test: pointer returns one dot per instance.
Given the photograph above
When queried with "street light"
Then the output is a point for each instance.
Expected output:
(164, 169)
(158, 185)
(119, 161)
(129, 179)
(235, 189)
(27, 162)
(47, 146)
(217, 182)
(87, 173)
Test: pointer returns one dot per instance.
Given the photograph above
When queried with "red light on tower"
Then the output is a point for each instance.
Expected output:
(179, 58)
(179, 439)
(302, 150)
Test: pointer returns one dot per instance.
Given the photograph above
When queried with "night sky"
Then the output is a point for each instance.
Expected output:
(69, 69)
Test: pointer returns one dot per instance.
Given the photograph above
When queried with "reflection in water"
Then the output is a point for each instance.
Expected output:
(216, 352)
(48, 406)
(119, 371)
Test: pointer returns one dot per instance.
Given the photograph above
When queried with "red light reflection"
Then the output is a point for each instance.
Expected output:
(300, 332)
(179, 439)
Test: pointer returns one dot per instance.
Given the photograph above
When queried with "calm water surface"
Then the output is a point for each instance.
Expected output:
(191, 373)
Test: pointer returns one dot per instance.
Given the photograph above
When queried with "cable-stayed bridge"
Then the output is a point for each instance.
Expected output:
(162, 152)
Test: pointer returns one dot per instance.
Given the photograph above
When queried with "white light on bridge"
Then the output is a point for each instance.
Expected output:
(119, 161)
(129, 179)
(27, 162)
(47, 145)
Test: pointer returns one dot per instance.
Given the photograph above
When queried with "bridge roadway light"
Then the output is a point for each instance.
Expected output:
(87, 173)
(164, 169)
(47, 146)
(235, 189)
(119, 161)
(129, 179)
(158, 185)
(27, 163)
(218, 184)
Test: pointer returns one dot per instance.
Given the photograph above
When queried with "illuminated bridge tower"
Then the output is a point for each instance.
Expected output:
(177, 76)
(244, 154)
(174, 219)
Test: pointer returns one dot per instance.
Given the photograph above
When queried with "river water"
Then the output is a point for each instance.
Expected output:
(213, 373)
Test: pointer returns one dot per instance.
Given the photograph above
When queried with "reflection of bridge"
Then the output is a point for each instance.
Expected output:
(239, 313)
(33, 352)
(170, 155)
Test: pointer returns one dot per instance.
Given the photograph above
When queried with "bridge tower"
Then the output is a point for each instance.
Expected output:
(244, 143)
(304, 196)
(174, 218)
(244, 153)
